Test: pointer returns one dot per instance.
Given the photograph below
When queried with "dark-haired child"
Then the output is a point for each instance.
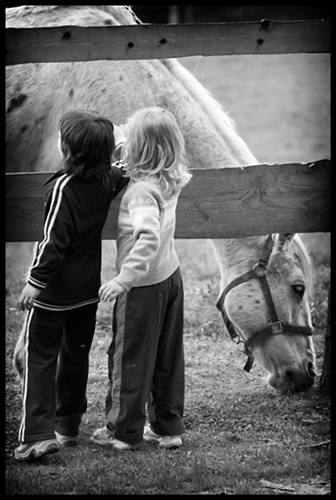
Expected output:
(61, 294)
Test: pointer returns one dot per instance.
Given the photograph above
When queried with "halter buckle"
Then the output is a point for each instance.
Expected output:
(259, 270)
(276, 327)
(240, 341)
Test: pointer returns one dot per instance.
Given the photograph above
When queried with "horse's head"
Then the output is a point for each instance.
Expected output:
(267, 301)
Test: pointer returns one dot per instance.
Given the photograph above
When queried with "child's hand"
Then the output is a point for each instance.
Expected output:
(110, 291)
(119, 135)
(27, 297)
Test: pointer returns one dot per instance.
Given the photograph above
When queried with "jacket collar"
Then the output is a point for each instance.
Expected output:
(54, 176)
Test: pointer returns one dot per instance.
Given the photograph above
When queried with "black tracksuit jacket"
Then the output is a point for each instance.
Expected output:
(67, 263)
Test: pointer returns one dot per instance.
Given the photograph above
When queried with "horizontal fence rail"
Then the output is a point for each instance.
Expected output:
(217, 203)
(159, 41)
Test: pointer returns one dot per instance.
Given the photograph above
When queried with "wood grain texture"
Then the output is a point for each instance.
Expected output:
(217, 203)
(159, 41)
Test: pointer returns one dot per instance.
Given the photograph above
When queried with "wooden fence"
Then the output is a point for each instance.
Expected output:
(218, 203)
(72, 43)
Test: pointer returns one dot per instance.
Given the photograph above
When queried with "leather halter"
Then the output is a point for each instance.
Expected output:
(275, 326)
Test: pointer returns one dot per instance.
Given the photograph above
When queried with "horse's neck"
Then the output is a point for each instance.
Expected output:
(211, 138)
(237, 256)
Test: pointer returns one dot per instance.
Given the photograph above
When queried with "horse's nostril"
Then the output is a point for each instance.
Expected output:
(289, 375)
(311, 370)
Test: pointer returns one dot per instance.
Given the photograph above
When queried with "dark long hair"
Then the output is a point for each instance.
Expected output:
(87, 142)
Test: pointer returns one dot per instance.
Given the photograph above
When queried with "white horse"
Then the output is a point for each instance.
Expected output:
(38, 94)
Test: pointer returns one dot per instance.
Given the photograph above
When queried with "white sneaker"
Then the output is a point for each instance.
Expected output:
(66, 440)
(164, 441)
(104, 437)
(29, 451)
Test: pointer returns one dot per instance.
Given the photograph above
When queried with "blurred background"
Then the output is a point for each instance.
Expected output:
(225, 13)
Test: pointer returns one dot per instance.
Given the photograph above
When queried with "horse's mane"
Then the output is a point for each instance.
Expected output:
(305, 261)
(221, 120)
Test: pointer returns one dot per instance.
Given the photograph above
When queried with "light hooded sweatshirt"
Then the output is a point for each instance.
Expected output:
(145, 244)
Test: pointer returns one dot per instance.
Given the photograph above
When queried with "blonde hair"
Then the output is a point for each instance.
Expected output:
(155, 150)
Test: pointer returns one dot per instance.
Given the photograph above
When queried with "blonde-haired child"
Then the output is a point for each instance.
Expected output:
(146, 357)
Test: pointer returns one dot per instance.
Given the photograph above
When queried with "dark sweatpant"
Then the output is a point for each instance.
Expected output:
(54, 394)
(146, 361)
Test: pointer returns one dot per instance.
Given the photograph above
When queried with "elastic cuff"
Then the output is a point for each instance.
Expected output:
(36, 283)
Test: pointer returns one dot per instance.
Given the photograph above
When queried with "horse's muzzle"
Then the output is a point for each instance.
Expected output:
(294, 379)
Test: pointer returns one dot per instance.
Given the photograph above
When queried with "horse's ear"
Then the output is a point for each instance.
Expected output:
(285, 238)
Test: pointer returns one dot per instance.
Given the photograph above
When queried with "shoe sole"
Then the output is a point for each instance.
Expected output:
(33, 454)
(102, 443)
(110, 443)
(152, 439)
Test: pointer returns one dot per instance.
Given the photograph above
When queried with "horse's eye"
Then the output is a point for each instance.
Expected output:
(299, 290)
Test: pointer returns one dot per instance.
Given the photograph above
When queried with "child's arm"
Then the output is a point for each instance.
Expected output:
(145, 219)
(58, 230)
(119, 134)
(119, 139)
(27, 297)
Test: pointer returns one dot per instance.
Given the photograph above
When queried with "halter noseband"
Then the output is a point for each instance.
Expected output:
(275, 326)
